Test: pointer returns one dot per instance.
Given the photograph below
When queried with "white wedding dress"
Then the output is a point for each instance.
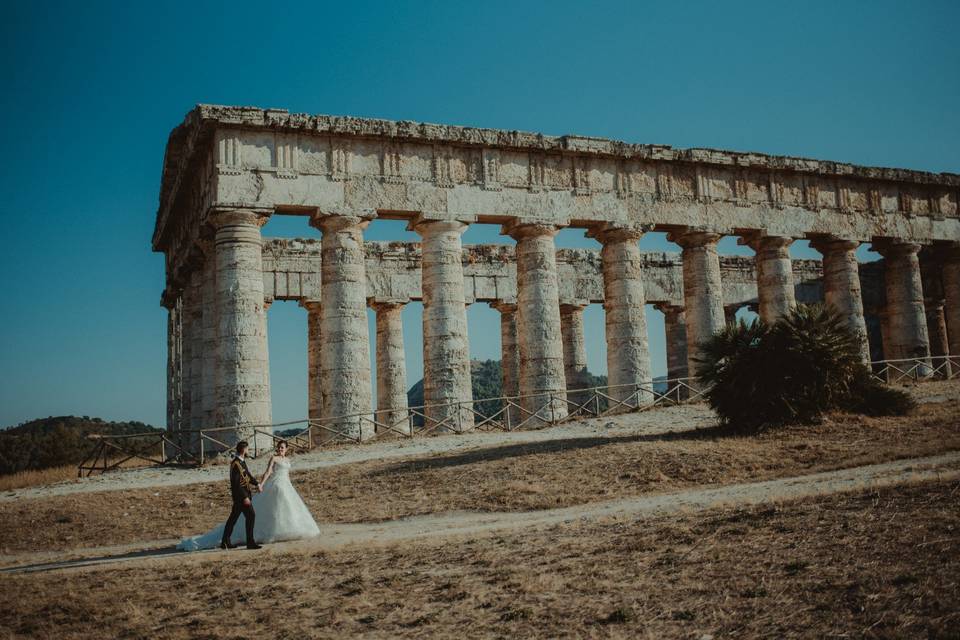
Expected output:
(280, 515)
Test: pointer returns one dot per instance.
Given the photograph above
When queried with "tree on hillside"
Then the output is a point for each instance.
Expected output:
(56, 441)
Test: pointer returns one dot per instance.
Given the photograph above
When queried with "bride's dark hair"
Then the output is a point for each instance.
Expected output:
(280, 442)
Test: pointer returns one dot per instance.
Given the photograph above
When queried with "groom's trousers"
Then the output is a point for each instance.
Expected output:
(248, 516)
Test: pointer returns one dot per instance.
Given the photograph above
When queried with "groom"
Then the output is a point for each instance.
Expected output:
(242, 484)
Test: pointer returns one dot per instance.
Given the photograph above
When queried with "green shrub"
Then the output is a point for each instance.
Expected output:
(794, 371)
(871, 397)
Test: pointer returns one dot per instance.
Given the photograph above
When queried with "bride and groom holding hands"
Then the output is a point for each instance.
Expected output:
(271, 507)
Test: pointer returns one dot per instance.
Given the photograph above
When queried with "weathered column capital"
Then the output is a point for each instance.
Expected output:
(669, 310)
(690, 239)
(310, 305)
(426, 226)
(758, 241)
(220, 219)
(386, 305)
(504, 306)
(896, 248)
(332, 222)
(575, 306)
(834, 245)
(615, 233)
(518, 229)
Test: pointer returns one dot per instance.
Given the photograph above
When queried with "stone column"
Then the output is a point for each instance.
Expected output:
(186, 357)
(574, 350)
(905, 311)
(446, 347)
(509, 355)
(314, 368)
(538, 322)
(624, 304)
(193, 336)
(702, 291)
(345, 349)
(674, 323)
(243, 368)
(208, 365)
(937, 330)
(774, 277)
(871, 318)
(197, 384)
(841, 285)
(170, 301)
(886, 338)
(391, 368)
(950, 276)
(730, 313)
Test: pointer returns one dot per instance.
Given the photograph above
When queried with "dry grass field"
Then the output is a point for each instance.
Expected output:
(34, 478)
(52, 475)
(878, 564)
(514, 477)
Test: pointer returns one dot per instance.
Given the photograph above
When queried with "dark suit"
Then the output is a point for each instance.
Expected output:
(242, 484)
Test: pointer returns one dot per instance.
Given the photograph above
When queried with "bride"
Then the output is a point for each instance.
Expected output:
(281, 513)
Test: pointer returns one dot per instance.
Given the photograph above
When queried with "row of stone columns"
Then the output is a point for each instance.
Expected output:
(220, 322)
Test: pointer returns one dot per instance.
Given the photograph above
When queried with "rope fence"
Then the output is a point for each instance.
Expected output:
(537, 410)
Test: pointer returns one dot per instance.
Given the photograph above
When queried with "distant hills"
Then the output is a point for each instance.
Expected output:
(55, 441)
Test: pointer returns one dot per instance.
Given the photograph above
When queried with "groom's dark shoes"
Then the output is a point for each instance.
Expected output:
(254, 546)
(227, 545)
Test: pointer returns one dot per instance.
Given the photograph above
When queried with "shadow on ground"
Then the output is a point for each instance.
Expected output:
(489, 454)
(38, 567)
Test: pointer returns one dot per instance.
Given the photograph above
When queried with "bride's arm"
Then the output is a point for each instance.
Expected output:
(269, 471)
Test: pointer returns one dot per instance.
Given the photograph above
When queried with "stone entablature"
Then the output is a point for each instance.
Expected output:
(270, 160)
(291, 271)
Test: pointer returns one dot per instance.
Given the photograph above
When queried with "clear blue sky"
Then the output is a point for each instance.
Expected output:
(91, 91)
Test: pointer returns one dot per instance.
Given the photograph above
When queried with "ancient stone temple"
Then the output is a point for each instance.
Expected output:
(228, 169)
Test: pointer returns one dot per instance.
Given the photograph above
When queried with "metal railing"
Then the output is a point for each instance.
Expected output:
(192, 447)
(916, 369)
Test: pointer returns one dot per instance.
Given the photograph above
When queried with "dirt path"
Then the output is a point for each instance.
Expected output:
(942, 467)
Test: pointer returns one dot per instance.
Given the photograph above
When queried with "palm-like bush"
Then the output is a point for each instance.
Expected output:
(789, 372)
